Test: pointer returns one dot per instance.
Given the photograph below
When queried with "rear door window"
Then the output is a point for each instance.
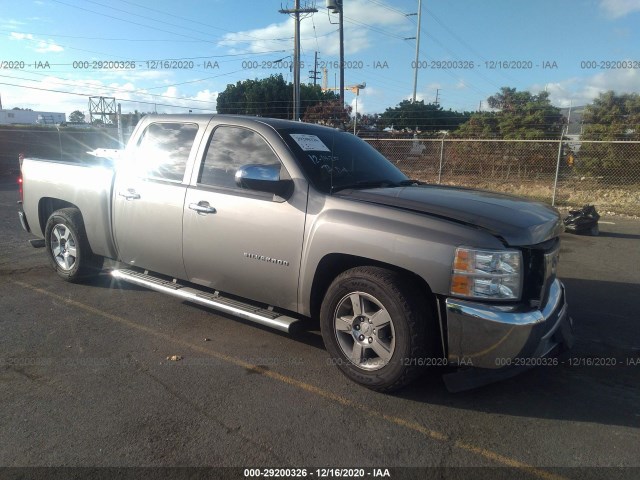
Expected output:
(163, 150)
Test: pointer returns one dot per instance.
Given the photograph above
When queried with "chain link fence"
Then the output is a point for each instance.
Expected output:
(567, 173)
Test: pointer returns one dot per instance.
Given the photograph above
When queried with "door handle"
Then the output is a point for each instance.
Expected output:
(129, 194)
(202, 207)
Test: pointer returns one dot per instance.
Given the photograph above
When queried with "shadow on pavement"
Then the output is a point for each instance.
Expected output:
(597, 382)
(8, 183)
(619, 235)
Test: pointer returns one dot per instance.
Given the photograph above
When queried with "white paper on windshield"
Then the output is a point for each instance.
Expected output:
(309, 143)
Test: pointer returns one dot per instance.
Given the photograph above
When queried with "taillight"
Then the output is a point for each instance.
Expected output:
(20, 188)
(21, 192)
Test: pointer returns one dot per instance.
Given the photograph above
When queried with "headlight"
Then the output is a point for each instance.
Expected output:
(487, 274)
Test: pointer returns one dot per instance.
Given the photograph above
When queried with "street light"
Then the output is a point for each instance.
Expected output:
(356, 89)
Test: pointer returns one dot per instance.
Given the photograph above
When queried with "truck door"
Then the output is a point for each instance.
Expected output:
(240, 241)
(149, 197)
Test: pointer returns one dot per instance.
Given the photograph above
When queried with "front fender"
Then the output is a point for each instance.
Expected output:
(415, 242)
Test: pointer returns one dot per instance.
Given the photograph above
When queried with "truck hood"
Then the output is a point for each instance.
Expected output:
(517, 221)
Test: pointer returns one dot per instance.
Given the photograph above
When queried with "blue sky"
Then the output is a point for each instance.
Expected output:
(562, 46)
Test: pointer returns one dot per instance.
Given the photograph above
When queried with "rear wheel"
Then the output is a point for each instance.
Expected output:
(68, 248)
(374, 325)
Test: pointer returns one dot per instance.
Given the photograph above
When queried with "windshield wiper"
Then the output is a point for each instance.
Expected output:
(374, 184)
(363, 184)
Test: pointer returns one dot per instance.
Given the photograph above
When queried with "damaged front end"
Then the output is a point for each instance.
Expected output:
(497, 340)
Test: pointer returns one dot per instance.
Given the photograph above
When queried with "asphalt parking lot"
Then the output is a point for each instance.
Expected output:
(85, 382)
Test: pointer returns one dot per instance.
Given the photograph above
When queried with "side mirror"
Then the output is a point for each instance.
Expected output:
(263, 178)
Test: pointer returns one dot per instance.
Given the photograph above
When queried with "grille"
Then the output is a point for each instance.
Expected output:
(541, 263)
(550, 270)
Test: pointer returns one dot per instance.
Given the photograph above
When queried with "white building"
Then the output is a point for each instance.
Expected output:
(28, 117)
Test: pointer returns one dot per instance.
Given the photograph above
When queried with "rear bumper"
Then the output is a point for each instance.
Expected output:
(23, 221)
(501, 341)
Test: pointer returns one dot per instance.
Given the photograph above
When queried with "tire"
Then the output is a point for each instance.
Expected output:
(68, 248)
(374, 326)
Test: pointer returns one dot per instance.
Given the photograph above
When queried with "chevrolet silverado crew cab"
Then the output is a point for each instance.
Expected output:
(277, 221)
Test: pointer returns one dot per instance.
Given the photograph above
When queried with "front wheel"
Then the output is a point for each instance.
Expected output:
(68, 248)
(374, 325)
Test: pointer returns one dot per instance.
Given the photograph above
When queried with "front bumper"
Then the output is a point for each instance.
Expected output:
(500, 341)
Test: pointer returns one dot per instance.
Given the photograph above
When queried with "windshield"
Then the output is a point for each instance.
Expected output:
(334, 160)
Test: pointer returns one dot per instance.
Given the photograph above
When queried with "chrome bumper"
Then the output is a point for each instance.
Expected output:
(492, 336)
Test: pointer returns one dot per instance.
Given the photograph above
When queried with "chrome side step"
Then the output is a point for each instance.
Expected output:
(214, 300)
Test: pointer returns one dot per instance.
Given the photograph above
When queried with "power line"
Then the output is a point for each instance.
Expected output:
(172, 15)
(118, 99)
(387, 7)
(175, 59)
(368, 27)
(136, 92)
(138, 23)
(96, 87)
(315, 34)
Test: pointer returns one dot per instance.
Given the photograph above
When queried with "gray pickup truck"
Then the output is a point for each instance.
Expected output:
(279, 222)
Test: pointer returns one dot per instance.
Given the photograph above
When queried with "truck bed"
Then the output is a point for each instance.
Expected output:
(57, 184)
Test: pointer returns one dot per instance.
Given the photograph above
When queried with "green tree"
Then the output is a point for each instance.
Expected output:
(611, 116)
(428, 117)
(312, 95)
(331, 113)
(76, 117)
(517, 116)
(268, 97)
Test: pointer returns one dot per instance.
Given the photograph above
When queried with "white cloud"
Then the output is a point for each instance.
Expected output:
(41, 46)
(361, 106)
(134, 76)
(620, 8)
(370, 91)
(20, 36)
(265, 39)
(320, 34)
(206, 96)
(48, 47)
(127, 93)
(581, 91)
(420, 97)
(11, 23)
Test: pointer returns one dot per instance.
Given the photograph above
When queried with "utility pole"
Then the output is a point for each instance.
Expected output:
(437, 96)
(337, 5)
(119, 118)
(341, 21)
(296, 11)
(313, 74)
(417, 61)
